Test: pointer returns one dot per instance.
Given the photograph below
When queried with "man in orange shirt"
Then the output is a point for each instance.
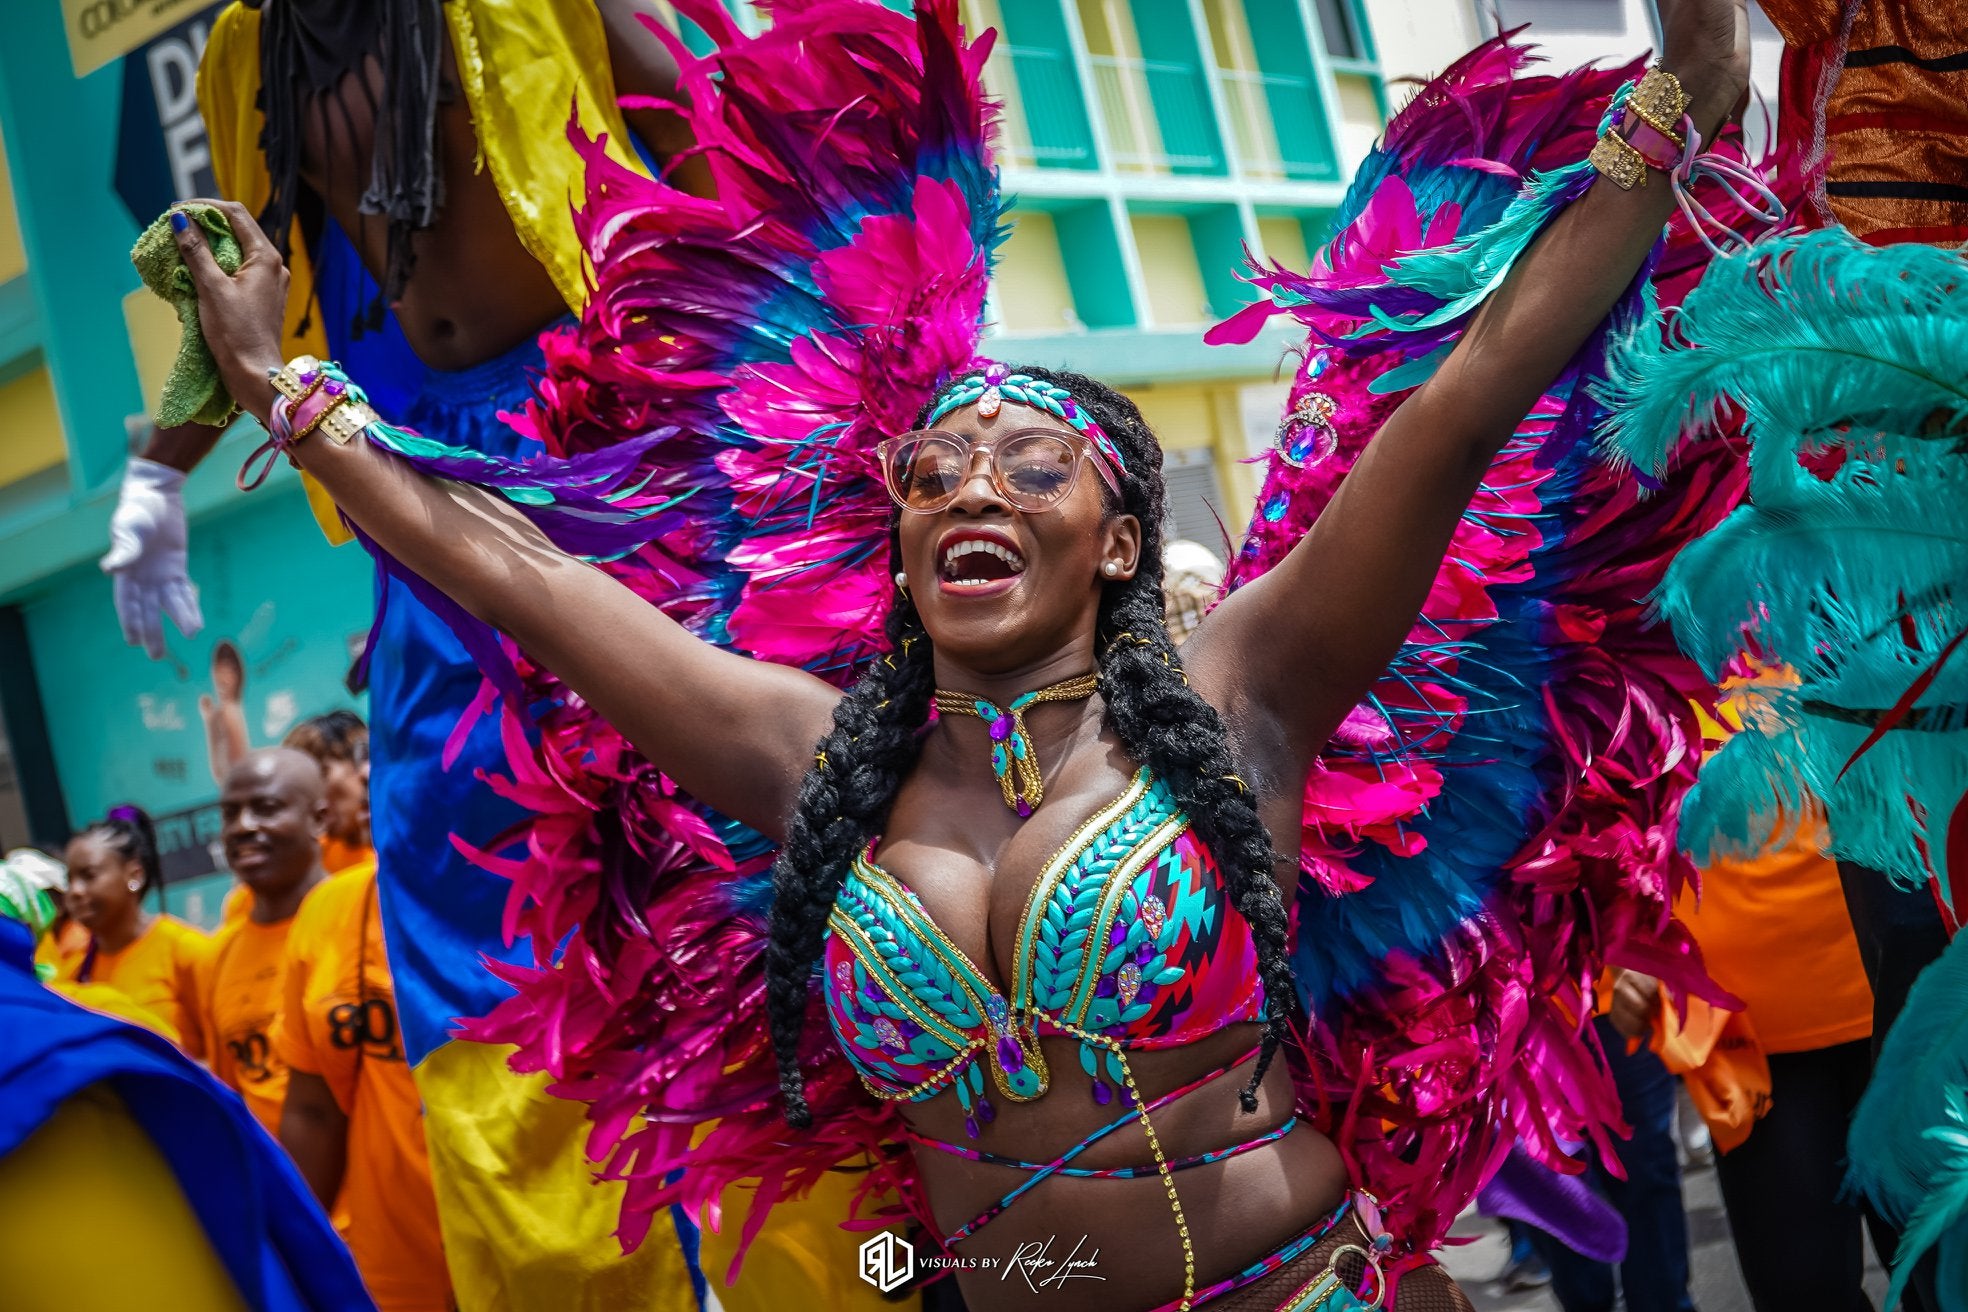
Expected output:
(339, 743)
(353, 1122)
(272, 810)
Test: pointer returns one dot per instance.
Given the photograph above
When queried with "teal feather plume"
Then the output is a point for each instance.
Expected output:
(1462, 275)
(1939, 1214)
(1916, 1178)
(1749, 797)
(1860, 545)
(1804, 333)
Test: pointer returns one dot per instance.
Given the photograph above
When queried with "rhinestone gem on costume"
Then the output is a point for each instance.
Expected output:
(997, 1011)
(885, 1031)
(1154, 916)
(1128, 981)
(1306, 436)
(990, 403)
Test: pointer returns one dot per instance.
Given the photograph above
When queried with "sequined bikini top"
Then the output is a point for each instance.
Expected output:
(1128, 940)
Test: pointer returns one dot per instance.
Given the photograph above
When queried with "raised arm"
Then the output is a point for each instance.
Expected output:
(644, 67)
(1299, 646)
(736, 733)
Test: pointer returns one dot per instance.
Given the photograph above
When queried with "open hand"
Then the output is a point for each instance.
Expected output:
(242, 313)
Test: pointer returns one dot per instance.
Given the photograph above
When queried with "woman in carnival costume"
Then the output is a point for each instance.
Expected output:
(1085, 868)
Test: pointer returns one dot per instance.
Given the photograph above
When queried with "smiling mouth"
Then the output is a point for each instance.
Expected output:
(976, 562)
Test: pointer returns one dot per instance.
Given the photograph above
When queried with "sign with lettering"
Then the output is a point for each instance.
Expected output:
(188, 843)
(162, 153)
(100, 31)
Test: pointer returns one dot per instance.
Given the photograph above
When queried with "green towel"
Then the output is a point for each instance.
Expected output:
(194, 391)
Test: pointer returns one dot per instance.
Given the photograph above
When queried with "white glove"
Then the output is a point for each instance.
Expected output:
(147, 556)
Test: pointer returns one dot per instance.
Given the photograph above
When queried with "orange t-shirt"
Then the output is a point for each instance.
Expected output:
(338, 1020)
(336, 856)
(160, 971)
(1774, 931)
(242, 996)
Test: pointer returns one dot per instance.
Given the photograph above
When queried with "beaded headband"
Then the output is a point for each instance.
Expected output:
(996, 384)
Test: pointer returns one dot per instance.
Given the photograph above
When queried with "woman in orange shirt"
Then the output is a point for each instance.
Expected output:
(154, 960)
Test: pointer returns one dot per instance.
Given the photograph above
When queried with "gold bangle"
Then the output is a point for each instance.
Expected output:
(341, 423)
(1659, 99)
(1618, 162)
(286, 380)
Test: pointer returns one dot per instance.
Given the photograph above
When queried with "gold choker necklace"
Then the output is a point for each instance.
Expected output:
(1011, 747)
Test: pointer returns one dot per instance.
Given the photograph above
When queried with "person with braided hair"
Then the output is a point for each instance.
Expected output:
(1033, 867)
(155, 960)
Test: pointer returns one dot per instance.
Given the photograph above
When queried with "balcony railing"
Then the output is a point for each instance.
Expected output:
(1276, 123)
(1052, 129)
(1157, 115)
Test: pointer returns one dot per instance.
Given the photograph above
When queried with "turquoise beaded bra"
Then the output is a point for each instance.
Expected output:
(1128, 940)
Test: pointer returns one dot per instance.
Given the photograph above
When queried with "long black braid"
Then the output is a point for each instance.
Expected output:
(1161, 722)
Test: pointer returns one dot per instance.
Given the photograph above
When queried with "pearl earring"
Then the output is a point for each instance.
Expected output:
(1111, 569)
(136, 887)
(901, 581)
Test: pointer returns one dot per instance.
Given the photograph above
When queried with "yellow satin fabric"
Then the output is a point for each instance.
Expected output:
(523, 65)
(802, 1257)
(93, 1220)
(526, 1226)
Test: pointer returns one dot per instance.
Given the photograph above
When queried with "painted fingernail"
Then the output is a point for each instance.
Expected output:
(178, 221)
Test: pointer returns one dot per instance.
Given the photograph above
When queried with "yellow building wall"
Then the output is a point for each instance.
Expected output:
(154, 333)
(1359, 119)
(1230, 38)
(1032, 294)
(1186, 416)
(1284, 242)
(1175, 283)
(1179, 414)
(30, 427)
(13, 256)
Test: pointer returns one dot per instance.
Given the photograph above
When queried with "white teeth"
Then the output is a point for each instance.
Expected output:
(969, 545)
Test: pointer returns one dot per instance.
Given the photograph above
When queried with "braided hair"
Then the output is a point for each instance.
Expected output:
(129, 833)
(1164, 725)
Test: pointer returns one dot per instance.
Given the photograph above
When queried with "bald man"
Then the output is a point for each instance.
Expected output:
(273, 810)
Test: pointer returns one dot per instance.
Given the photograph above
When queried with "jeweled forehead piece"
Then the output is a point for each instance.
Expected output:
(989, 389)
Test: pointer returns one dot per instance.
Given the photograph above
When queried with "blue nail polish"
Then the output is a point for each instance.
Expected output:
(178, 221)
